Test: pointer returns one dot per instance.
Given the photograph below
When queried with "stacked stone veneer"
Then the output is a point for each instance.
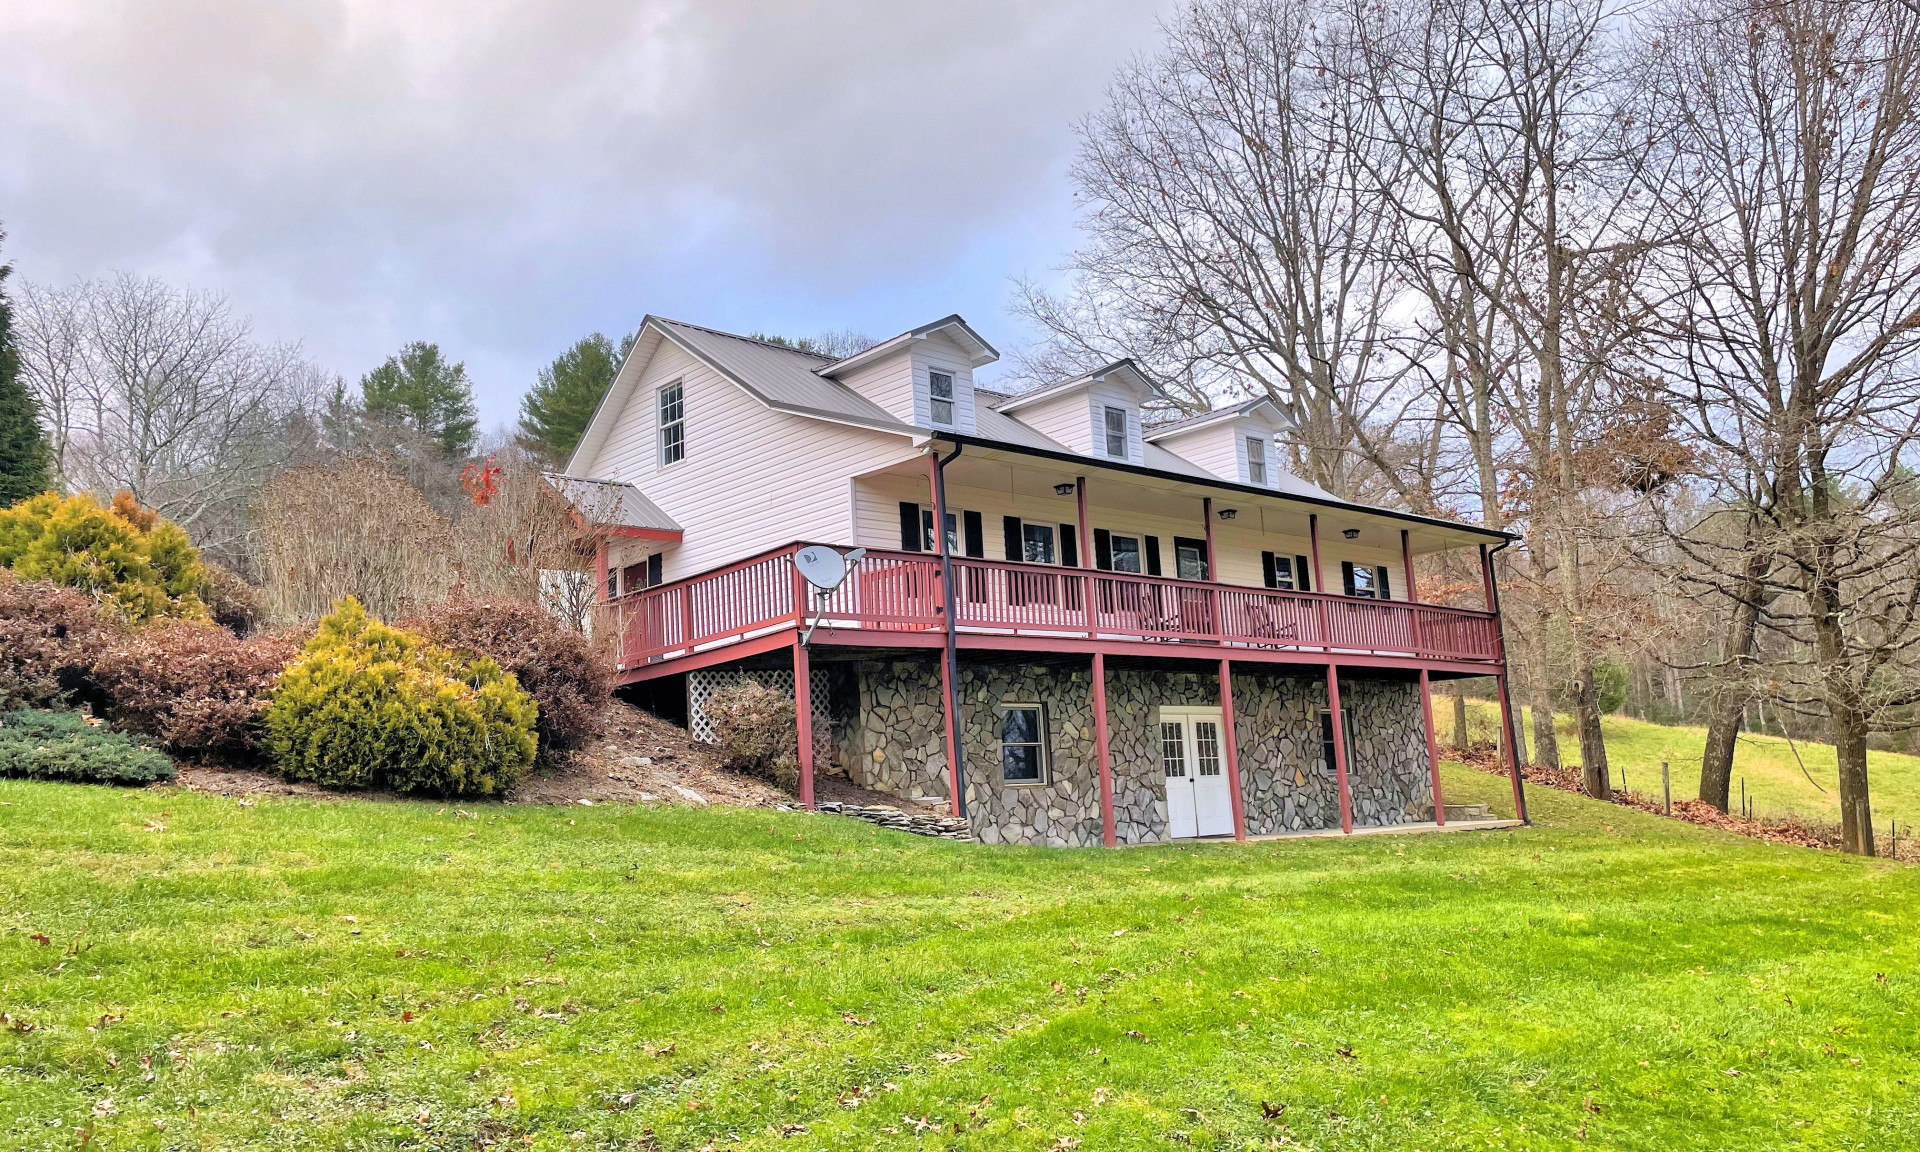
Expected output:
(893, 742)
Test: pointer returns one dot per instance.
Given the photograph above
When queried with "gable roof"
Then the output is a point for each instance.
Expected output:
(1126, 369)
(1217, 416)
(954, 328)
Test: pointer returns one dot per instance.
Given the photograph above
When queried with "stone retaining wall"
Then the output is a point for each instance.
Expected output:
(894, 744)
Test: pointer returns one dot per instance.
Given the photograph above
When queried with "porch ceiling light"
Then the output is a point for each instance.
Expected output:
(1064, 489)
(1227, 513)
(1350, 533)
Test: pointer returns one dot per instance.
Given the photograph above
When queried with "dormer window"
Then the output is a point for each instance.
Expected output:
(940, 391)
(1256, 461)
(1116, 432)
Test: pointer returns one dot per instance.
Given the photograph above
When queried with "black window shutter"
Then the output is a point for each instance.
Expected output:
(1381, 588)
(1070, 545)
(1267, 570)
(974, 534)
(910, 530)
(1014, 551)
(1102, 549)
(1346, 576)
(653, 569)
(1153, 555)
(1304, 581)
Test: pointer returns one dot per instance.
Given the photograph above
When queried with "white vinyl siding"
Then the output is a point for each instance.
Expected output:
(671, 420)
(753, 479)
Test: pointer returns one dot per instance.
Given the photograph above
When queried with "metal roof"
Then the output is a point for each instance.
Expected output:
(609, 503)
(781, 378)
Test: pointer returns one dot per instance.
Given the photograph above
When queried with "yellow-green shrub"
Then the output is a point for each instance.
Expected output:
(124, 556)
(366, 705)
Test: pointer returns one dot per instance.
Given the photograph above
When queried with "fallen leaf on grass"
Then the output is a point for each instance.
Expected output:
(789, 1130)
(1272, 1111)
(856, 1021)
(1065, 1142)
(1345, 1052)
(1140, 1036)
(41, 938)
(155, 826)
(949, 1057)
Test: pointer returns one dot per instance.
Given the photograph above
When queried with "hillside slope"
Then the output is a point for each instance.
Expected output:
(185, 970)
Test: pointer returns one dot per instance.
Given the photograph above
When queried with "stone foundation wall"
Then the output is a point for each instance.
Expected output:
(895, 745)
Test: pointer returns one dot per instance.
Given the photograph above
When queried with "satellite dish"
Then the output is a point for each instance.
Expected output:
(822, 566)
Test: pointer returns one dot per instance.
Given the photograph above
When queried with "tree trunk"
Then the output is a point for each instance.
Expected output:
(1716, 764)
(1460, 739)
(1856, 807)
(1593, 749)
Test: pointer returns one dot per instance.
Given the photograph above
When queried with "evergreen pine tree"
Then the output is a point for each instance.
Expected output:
(24, 456)
(555, 413)
(420, 390)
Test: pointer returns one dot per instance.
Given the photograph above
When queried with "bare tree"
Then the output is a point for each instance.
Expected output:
(1233, 233)
(1786, 336)
(162, 392)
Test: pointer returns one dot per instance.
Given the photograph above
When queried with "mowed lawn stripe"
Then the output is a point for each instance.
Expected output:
(310, 974)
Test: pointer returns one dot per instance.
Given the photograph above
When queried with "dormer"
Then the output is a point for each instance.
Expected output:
(1097, 414)
(923, 377)
(1239, 443)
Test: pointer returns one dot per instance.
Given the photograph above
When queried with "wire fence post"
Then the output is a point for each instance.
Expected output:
(1666, 789)
(1743, 798)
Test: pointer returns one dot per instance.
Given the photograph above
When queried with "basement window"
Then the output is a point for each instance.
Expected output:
(1023, 744)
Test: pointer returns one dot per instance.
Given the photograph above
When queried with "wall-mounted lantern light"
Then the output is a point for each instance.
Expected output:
(1350, 533)
(1228, 513)
(1063, 489)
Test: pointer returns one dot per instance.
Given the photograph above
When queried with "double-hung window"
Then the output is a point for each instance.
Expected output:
(673, 423)
(1023, 744)
(1116, 433)
(1256, 461)
(940, 393)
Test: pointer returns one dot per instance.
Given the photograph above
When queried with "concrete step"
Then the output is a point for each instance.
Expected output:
(1468, 812)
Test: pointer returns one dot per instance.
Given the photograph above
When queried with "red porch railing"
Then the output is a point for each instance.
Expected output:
(901, 591)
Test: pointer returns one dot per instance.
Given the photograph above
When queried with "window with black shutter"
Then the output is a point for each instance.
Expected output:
(911, 532)
(1300, 574)
(1011, 524)
(1381, 589)
(1069, 546)
(976, 534)
(1152, 546)
(655, 566)
(1102, 549)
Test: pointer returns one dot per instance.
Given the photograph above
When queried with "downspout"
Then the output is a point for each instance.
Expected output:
(952, 656)
(1506, 688)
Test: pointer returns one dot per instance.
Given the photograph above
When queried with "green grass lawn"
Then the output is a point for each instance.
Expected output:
(300, 974)
(1773, 776)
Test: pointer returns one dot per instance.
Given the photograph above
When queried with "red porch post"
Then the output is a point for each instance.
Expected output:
(949, 700)
(1231, 746)
(1206, 514)
(1426, 686)
(1100, 750)
(1339, 748)
(1319, 585)
(1433, 750)
(1500, 682)
(803, 718)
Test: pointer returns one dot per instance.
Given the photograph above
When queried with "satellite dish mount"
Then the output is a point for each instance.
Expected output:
(826, 570)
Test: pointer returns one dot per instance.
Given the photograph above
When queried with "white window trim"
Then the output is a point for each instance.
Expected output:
(1046, 732)
(660, 426)
(1266, 461)
(1126, 432)
(952, 400)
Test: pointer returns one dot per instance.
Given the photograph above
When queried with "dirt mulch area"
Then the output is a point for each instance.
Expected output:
(641, 759)
(1799, 833)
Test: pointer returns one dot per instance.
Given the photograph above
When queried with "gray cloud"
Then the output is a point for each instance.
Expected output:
(503, 175)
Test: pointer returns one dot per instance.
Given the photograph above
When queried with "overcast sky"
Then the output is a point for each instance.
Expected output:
(504, 176)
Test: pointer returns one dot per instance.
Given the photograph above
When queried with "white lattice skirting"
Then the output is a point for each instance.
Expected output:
(702, 684)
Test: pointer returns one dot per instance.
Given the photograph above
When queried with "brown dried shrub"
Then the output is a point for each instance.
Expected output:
(755, 732)
(233, 603)
(568, 675)
(196, 688)
(49, 638)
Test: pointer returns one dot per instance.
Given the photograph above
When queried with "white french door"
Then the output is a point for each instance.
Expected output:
(1198, 800)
